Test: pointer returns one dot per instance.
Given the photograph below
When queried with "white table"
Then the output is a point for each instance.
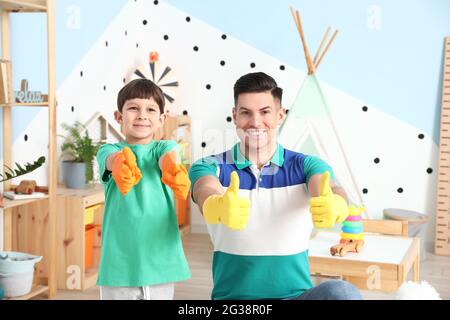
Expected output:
(383, 264)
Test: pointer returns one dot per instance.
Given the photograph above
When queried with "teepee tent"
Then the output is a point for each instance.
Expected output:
(309, 127)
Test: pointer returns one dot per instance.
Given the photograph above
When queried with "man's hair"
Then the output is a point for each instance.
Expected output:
(257, 82)
(142, 89)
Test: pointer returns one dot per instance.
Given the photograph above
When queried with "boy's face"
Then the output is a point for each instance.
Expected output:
(257, 116)
(139, 120)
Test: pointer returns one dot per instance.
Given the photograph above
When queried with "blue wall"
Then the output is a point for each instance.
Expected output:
(79, 23)
(388, 53)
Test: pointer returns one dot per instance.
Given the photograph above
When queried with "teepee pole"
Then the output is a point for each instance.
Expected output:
(326, 48)
(298, 22)
(321, 45)
(341, 146)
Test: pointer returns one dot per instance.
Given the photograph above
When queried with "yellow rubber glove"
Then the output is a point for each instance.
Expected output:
(174, 175)
(328, 208)
(125, 171)
(230, 209)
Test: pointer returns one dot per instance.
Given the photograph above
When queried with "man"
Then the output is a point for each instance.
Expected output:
(261, 224)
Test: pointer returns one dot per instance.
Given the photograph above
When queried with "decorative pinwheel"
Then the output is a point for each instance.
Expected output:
(162, 75)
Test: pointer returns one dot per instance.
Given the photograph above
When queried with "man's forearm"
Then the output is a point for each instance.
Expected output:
(204, 188)
(340, 191)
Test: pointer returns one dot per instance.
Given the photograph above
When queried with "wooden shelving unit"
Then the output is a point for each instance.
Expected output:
(35, 291)
(178, 128)
(9, 204)
(31, 104)
(71, 240)
(30, 225)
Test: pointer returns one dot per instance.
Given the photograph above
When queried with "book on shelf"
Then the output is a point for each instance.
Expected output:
(12, 196)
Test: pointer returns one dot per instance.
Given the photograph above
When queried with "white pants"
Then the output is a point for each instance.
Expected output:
(156, 292)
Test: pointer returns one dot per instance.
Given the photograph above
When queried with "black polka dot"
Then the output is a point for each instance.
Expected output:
(155, 2)
(208, 86)
(421, 136)
(166, 37)
(144, 22)
(195, 48)
(185, 113)
(126, 32)
(104, 88)
(224, 36)
(252, 65)
(429, 171)
(203, 144)
(282, 67)
(188, 19)
(25, 137)
(106, 43)
(81, 73)
(287, 111)
(137, 45)
(376, 160)
(364, 109)
(400, 190)
(124, 80)
(229, 119)
(365, 190)
(222, 63)
(72, 108)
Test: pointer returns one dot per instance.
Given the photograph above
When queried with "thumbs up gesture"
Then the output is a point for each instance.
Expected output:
(230, 209)
(328, 208)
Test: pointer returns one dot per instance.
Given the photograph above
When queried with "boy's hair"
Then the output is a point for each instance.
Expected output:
(257, 82)
(143, 89)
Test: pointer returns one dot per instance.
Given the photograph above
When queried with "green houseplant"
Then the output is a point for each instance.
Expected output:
(20, 170)
(79, 151)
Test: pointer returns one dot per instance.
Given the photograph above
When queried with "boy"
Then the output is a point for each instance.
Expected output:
(142, 255)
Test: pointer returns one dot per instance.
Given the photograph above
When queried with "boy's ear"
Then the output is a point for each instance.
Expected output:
(118, 116)
(163, 117)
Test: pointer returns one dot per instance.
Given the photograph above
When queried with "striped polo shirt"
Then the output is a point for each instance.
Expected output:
(268, 259)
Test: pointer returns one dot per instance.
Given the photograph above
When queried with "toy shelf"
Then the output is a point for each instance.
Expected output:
(178, 128)
(28, 104)
(73, 274)
(24, 5)
(30, 225)
(35, 291)
(9, 204)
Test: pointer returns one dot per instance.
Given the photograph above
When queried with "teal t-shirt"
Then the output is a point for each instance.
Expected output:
(141, 243)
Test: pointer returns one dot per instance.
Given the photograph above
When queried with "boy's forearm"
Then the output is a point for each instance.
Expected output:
(109, 161)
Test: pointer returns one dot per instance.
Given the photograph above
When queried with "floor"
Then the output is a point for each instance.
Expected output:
(198, 248)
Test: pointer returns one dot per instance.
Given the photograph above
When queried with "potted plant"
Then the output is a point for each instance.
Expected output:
(20, 170)
(79, 151)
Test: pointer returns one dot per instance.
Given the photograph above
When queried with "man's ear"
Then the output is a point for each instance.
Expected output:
(234, 112)
(118, 116)
(281, 115)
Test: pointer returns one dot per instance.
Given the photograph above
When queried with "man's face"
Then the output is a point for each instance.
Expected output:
(257, 116)
(139, 120)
